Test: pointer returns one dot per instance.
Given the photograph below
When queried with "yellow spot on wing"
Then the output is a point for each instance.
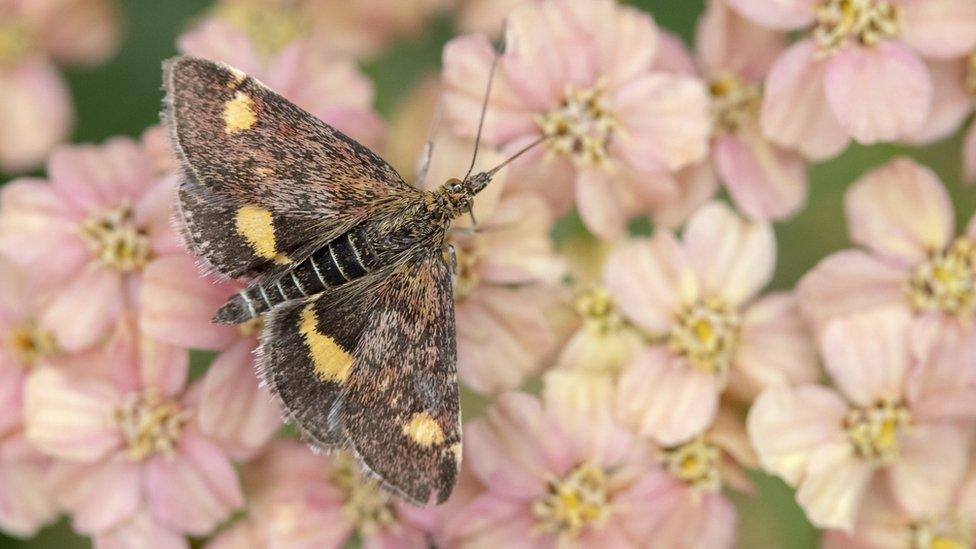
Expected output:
(424, 430)
(239, 113)
(255, 225)
(331, 362)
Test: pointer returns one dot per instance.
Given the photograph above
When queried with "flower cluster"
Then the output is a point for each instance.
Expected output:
(618, 383)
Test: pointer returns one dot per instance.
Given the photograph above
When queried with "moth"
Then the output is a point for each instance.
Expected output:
(345, 262)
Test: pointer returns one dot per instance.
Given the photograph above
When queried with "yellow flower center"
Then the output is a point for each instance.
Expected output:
(580, 128)
(596, 308)
(947, 533)
(115, 241)
(735, 104)
(366, 504)
(874, 431)
(29, 343)
(947, 281)
(574, 502)
(866, 21)
(706, 334)
(271, 28)
(150, 424)
(695, 463)
(15, 42)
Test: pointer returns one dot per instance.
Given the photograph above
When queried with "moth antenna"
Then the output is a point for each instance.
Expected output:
(510, 159)
(474, 222)
(484, 110)
(429, 146)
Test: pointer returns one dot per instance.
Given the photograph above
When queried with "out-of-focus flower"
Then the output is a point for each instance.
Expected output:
(132, 459)
(485, 16)
(87, 232)
(556, 472)
(764, 180)
(303, 69)
(697, 300)
(581, 75)
(886, 421)
(505, 266)
(301, 499)
(884, 524)
(604, 340)
(859, 73)
(35, 104)
(177, 305)
(903, 216)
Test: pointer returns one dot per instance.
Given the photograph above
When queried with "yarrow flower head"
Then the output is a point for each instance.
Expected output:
(581, 75)
(859, 72)
(697, 300)
(894, 418)
(89, 231)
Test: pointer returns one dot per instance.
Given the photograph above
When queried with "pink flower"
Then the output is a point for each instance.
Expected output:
(903, 216)
(87, 232)
(859, 73)
(764, 180)
(556, 472)
(485, 16)
(888, 421)
(132, 458)
(26, 503)
(301, 499)
(305, 70)
(506, 270)
(35, 104)
(697, 300)
(582, 74)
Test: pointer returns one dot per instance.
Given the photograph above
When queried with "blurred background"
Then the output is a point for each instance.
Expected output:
(122, 97)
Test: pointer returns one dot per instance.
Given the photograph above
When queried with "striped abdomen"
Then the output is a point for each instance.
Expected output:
(346, 258)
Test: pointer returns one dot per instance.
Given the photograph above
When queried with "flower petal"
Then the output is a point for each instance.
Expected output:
(951, 104)
(220, 41)
(603, 210)
(84, 311)
(765, 181)
(585, 401)
(930, 468)
(795, 113)
(35, 106)
(95, 178)
(969, 154)
(663, 397)
(25, 502)
(777, 14)
(138, 532)
(834, 485)
(99, 496)
(939, 28)
(880, 93)
(900, 210)
(786, 424)
(728, 42)
(942, 387)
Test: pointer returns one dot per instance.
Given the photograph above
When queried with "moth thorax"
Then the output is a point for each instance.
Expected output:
(31, 343)
(578, 500)
(366, 505)
(115, 240)
(150, 424)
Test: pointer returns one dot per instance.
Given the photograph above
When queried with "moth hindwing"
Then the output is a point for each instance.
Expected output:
(344, 261)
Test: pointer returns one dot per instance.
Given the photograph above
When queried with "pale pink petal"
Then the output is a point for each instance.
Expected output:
(665, 122)
(775, 348)
(234, 410)
(308, 523)
(734, 258)
(193, 490)
(154, 215)
(786, 424)
(214, 39)
(626, 38)
(71, 418)
(599, 205)
(80, 31)
(493, 521)
(900, 210)
(98, 496)
(598, 351)
(728, 42)
(777, 14)
(177, 304)
(665, 398)
(35, 107)
(25, 502)
(969, 154)
(98, 177)
(243, 534)
(514, 246)
(848, 282)
(650, 279)
(12, 378)
(834, 485)
(139, 532)
(667, 513)
(930, 468)
(162, 367)
(939, 28)
(673, 55)
(868, 355)
(765, 181)
(943, 385)
(880, 93)
(795, 112)
(951, 104)
(585, 400)
(83, 311)
(694, 186)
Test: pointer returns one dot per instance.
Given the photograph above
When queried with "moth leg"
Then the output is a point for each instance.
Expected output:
(429, 146)
(450, 255)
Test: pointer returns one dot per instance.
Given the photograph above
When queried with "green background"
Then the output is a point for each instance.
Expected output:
(122, 97)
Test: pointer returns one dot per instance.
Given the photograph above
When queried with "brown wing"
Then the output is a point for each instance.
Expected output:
(263, 180)
(399, 406)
